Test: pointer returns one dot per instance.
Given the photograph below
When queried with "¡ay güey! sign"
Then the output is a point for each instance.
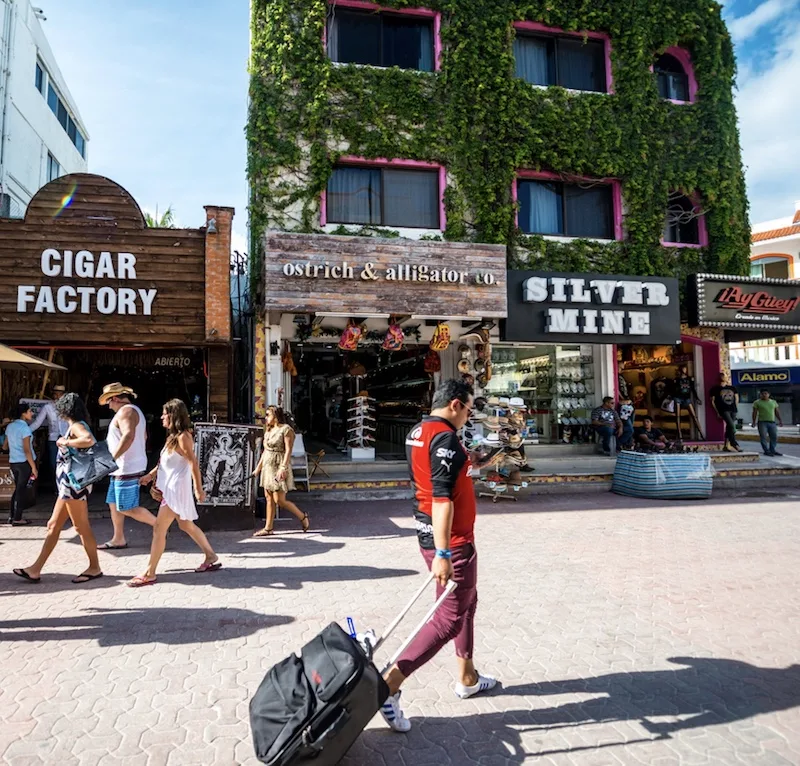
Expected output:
(86, 299)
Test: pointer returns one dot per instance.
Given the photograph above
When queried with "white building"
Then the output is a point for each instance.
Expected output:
(42, 135)
(774, 253)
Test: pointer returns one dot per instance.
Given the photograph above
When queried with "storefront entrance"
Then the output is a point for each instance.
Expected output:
(327, 379)
(558, 385)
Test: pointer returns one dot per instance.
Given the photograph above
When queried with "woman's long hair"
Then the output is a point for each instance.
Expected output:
(280, 416)
(179, 422)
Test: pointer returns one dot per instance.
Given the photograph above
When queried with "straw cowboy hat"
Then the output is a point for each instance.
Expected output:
(115, 389)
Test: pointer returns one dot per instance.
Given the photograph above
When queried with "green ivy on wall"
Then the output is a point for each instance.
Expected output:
(481, 122)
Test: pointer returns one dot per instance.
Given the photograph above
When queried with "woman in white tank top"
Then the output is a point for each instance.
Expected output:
(176, 472)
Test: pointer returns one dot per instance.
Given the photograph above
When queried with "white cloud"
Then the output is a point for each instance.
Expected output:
(769, 121)
(239, 241)
(745, 27)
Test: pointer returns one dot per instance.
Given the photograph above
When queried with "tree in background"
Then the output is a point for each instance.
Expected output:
(166, 221)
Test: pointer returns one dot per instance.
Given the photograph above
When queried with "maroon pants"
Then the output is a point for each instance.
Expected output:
(455, 618)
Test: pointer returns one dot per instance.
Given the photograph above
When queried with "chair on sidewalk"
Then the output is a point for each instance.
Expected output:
(300, 462)
(316, 460)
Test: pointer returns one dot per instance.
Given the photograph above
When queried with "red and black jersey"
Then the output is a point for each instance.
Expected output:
(440, 470)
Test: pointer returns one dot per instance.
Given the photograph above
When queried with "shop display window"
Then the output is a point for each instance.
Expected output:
(557, 384)
(649, 376)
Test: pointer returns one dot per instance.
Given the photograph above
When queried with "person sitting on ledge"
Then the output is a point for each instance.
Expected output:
(607, 423)
(648, 438)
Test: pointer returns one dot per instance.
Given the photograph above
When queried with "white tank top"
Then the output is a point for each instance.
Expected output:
(135, 458)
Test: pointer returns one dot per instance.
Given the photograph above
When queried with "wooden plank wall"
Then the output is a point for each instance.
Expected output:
(101, 217)
(292, 294)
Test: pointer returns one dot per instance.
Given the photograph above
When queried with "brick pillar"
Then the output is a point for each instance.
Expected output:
(218, 274)
(218, 308)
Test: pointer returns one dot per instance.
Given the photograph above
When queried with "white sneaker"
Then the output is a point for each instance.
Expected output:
(484, 684)
(393, 715)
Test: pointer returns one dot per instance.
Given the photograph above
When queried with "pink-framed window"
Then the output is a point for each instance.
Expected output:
(675, 73)
(396, 193)
(360, 32)
(582, 207)
(553, 56)
(685, 222)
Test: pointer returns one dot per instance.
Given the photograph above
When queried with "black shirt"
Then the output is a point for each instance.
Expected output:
(724, 398)
(654, 434)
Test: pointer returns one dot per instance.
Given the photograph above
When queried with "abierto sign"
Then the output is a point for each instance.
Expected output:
(745, 303)
(546, 307)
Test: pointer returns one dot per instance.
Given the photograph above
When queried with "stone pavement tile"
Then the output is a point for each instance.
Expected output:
(582, 645)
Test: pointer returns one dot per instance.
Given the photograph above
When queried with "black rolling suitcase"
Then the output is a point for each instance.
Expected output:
(311, 709)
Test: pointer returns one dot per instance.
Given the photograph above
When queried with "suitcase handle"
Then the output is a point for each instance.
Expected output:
(449, 588)
(406, 609)
(332, 731)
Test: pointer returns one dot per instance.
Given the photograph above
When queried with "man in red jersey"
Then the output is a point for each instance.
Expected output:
(441, 472)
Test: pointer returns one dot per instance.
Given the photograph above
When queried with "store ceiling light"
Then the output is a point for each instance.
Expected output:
(351, 314)
(446, 319)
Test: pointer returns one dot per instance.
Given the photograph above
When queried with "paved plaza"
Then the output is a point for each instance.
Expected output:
(659, 635)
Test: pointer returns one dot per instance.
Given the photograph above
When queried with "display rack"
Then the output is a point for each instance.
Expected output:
(361, 426)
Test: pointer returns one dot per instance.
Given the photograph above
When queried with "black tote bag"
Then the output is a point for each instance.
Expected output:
(88, 466)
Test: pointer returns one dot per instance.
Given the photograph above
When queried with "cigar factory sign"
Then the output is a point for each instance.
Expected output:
(82, 268)
(86, 296)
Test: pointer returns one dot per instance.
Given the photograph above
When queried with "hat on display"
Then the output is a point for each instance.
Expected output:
(59, 389)
(115, 389)
(516, 401)
(480, 364)
(463, 366)
(463, 349)
(493, 400)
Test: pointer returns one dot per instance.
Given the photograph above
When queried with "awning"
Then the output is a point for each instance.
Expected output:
(11, 359)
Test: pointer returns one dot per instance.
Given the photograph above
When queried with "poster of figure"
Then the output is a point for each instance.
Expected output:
(227, 455)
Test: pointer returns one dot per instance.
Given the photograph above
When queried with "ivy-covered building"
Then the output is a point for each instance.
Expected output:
(579, 137)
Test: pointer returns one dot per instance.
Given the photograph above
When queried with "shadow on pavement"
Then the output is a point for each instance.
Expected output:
(117, 627)
(283, 578)
(708, 692)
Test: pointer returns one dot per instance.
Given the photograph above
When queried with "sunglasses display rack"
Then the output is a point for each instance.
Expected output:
(361, 425)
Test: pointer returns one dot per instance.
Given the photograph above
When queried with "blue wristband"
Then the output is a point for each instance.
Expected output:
(443, 553)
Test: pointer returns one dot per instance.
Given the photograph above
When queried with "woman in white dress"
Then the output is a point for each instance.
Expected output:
(174, 475)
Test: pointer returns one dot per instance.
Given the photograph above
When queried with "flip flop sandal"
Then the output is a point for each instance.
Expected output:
(84, 578)
(25, 576)
(140, 582)
(209, 567)
(109, 547)
(264, 533)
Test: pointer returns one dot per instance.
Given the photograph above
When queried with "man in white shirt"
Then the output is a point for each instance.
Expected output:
(127, 437)
(56, 427)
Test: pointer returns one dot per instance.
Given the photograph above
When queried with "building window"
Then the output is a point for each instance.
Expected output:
(770, 268)
(59, 109)
(567, 210)
(384, 197)
(683, 222)
(52, 99)
(39, 78)
(381, 39)
(53, 168)
(570, 62)
(673, 81)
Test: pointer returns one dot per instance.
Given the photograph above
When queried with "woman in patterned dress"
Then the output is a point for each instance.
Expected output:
(71, 503)
(275, 469)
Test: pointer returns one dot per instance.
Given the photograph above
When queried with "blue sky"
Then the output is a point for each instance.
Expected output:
(162, 89)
